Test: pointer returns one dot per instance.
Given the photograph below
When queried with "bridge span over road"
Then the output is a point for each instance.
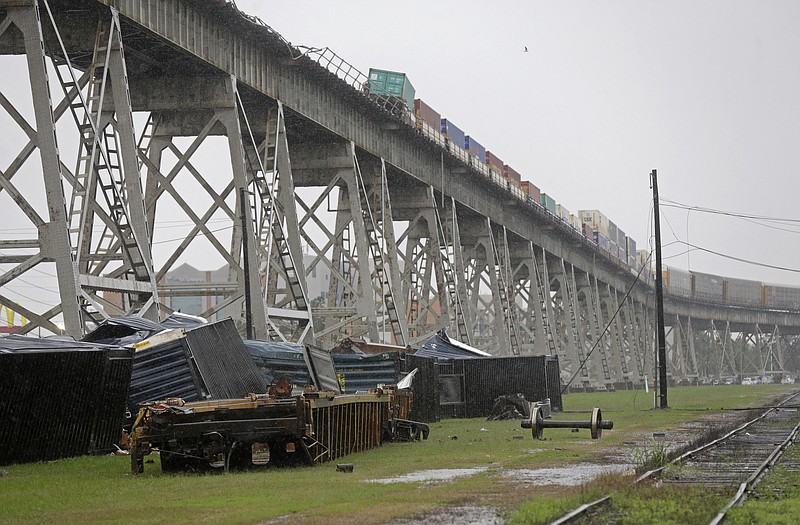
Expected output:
(416, 234)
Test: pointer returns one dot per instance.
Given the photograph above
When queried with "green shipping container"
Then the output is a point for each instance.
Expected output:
(393, 84)
(549, 203)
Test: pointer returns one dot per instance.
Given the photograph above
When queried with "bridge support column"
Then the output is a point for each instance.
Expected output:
(53, 239)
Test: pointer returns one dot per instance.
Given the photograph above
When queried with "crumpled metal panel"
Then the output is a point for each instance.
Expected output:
(223, 362)
(275, 360)
(363, 372)
(209, 362)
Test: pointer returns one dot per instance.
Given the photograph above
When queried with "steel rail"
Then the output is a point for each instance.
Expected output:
(751, 481)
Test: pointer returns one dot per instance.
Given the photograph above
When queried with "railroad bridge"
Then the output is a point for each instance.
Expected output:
(416, 236)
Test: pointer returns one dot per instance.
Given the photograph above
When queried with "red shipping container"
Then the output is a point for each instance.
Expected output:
(492, 160)
(427, 113)
(511, 173)
(532, 191)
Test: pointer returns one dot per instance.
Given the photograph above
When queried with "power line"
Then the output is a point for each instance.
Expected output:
(702, 209)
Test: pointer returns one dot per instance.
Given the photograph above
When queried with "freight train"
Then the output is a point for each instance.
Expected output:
(710, 288)
(591, 225)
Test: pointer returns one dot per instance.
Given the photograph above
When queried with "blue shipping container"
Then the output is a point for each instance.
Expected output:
(475, 148)
(600, 240)
(452, 131)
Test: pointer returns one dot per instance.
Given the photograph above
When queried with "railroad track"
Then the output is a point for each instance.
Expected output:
(733, 463)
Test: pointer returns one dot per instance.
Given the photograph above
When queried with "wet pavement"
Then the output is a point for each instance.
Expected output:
(431, 476)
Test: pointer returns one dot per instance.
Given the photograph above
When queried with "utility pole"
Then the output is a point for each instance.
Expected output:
(660, 332)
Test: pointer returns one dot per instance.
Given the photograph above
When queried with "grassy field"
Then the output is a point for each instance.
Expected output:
(101, 489)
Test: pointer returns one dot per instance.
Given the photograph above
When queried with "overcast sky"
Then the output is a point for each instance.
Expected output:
(706, 92)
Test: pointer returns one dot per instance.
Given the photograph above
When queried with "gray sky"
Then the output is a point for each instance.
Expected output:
(706, 92)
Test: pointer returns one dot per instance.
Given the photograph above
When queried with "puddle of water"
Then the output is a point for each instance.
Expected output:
(567, 477)
(445, 474)
(465, 515)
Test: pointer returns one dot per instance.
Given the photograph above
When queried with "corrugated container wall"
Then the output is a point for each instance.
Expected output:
(600, 240)
(532, 191)
(427, 113)
(630, 247)
(453, 133)
(494, 161)
(474, 147)
(622, 239)
(613, 232)
(596, 221)
(587, 230)
(642, 256)
(548, 202)
(391, 83)
(562, 212)
(707, 287)
(511, 174)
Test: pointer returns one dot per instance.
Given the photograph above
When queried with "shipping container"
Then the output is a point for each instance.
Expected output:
(621, 255)
(707, 287)
(563, 213)
(532, 191)
(613, 248)
(511, 173)
(393, 84)
(742, 291)
(643, 257)
(600, 240)
(453, 133)
(622, 239)
(516, 190)
(677, 282)
(630, 247)
(427, 114)
(613, 232)
(494, 161)
(548, 202)
(596, 221)
(587, 230)
(575, 221)
(781, 296)
(474, 147)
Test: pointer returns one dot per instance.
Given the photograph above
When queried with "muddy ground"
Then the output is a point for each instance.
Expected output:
(612, 459)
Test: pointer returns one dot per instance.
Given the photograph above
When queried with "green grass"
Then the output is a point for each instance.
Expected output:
(776, 499)
(101, 489)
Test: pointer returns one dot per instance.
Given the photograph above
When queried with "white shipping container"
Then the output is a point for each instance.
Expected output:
(575, 221)
(642, 256)
(596, 221)
(563, 213)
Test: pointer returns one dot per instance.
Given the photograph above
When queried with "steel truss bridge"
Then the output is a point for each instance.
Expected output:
(415, 239)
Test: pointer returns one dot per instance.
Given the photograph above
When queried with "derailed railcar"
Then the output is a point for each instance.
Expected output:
(273, 429)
